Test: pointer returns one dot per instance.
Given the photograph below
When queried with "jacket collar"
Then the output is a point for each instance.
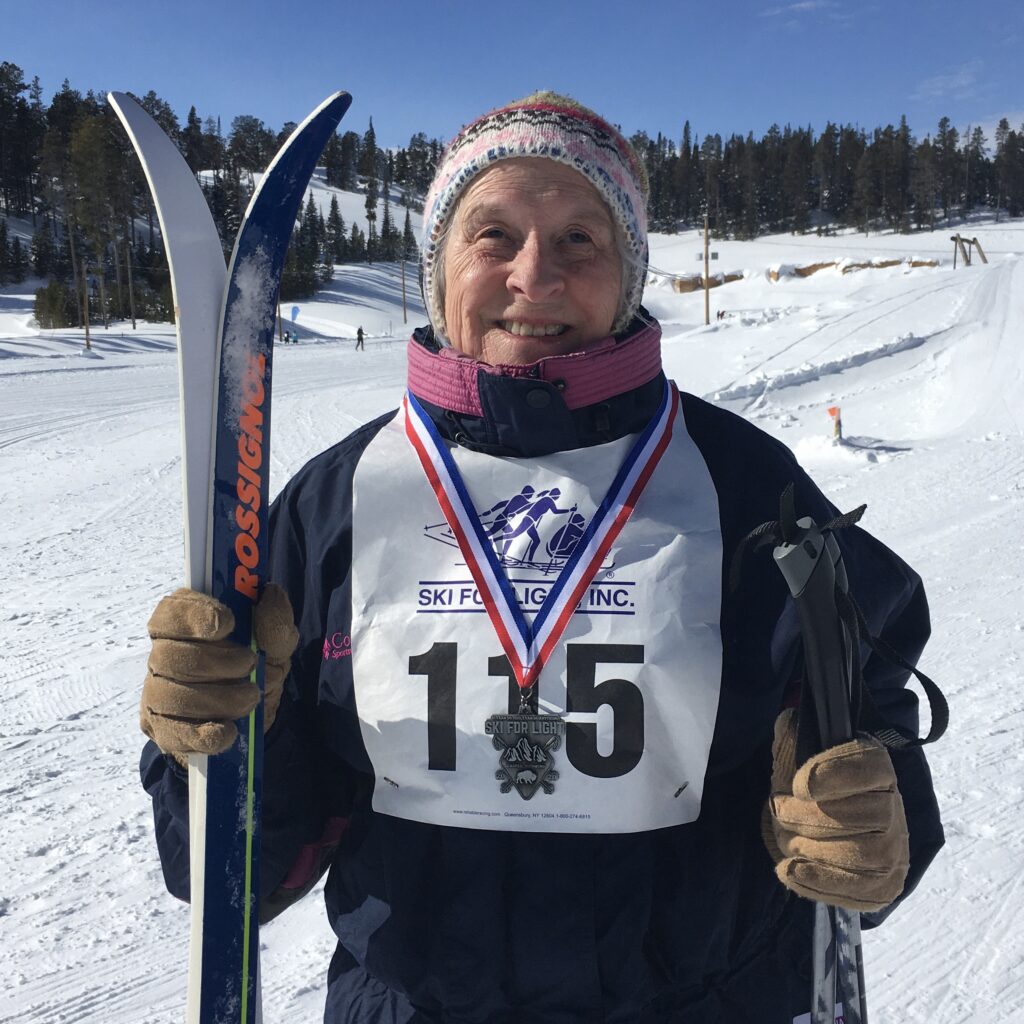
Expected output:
(610, 389)
(604, 369)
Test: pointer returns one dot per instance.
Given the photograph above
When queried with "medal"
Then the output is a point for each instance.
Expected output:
(527, 739)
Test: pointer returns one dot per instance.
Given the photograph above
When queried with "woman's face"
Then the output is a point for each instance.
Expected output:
(531, 266)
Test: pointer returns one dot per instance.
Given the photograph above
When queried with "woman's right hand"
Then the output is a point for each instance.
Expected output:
(198, 682)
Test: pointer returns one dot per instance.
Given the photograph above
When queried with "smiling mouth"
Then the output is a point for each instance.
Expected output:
(532, 330)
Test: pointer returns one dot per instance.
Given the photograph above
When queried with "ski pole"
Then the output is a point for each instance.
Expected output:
(812, 565)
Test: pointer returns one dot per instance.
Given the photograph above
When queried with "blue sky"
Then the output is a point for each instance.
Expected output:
(645, 64)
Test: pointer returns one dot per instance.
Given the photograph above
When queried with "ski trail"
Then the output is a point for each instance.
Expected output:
(902, 299)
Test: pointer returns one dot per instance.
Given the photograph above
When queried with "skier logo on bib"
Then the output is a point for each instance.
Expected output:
(529, 530)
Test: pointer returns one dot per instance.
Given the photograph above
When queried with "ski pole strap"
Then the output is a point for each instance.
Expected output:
(870, 719)
(787, 529)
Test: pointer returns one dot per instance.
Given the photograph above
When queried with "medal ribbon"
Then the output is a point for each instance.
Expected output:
(529, 647)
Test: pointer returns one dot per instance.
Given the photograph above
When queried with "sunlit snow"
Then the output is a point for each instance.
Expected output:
(926, 365)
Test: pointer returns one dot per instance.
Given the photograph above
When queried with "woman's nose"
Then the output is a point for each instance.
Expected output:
(535, 273)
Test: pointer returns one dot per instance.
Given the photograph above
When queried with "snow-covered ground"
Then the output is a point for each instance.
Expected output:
(927, 365)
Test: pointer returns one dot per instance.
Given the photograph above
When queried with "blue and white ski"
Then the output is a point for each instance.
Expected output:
(225, 326)
(238, 536)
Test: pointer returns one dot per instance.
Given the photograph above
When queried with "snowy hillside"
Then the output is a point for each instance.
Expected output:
(927, 365)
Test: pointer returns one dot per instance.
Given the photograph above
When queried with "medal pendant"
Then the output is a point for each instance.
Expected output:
(526, 742)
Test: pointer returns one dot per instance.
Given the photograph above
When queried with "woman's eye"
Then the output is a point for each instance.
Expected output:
(578, 237)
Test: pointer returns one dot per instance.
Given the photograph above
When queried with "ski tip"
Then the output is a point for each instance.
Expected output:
(337, 103)
(339, 100)
(123, 103)
(331, 109)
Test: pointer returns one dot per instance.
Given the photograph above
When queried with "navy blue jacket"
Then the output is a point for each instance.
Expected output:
(440, 924)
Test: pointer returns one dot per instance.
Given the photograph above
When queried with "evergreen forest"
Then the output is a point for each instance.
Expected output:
(68, 169)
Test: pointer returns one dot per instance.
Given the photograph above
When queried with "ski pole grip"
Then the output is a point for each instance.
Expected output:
(812, 566)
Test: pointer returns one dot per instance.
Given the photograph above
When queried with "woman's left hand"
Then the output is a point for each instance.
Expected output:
(836, 827)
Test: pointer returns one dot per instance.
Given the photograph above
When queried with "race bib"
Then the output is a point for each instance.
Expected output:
(631, 688)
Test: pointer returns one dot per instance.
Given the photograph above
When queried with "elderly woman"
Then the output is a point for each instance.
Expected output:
(527, 729)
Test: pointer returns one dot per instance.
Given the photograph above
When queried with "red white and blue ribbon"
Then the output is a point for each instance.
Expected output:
(528, 646)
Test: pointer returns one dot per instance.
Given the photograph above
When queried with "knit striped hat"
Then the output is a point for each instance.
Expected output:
(555, 127)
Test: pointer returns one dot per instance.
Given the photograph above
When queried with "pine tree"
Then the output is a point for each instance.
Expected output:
(5, 253)
(711, 161)
(410, 250)
(797, 190)
(356, 245)
(372, 194)
(55, 306)
(1013, 163)
(44, 259)
(730, 187)
(18, 262)
(302, 270)
(420, 168)
(368, 154)
(94, 165)
(290, 284)
(310, 244)
(825, 164)
(324, 255)
(867, 192)
(898, 173)
(350, 147)
(336, 241)
(311, 222)
(947, 161)
(388, 234)
(750, 177)
(62, 268)
(251, 145)
(192, 142)
(286, 132)
(1000, 164)
(975, 169)
(213, 145)
(924, 185)
(331, 160)
(12, 84)
(849, 150)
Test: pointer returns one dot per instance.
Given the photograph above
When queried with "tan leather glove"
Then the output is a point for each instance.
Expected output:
(836, 828)
(198, 682)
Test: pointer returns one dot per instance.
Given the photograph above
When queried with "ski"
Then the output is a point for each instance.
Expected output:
(198, 280)
(227, 984)
(225, 325)
(198, 277)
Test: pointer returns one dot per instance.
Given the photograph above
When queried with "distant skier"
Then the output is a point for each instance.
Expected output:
(359, 340)
(287, 337)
